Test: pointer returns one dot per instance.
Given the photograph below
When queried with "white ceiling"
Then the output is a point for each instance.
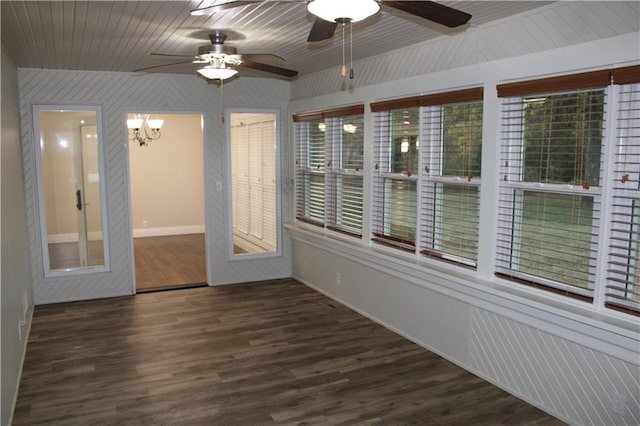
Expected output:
(120, 35)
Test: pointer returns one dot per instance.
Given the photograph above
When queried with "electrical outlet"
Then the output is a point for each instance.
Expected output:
(338, 278)
(619, 404)
(21, 324)
(145, 224)
(25, 307)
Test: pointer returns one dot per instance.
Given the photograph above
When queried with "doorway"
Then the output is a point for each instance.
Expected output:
(166, 170)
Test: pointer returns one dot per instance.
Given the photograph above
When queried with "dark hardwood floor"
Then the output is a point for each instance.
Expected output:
(253, 354)
(170, 261)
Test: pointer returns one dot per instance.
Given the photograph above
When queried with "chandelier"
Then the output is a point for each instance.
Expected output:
(143, 129)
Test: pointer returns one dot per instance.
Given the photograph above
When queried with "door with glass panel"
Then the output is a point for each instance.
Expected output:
(70, 188)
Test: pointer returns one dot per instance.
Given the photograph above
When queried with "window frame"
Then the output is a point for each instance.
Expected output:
(428, 173)
(47, 270)
(433, 177)
(512, 187)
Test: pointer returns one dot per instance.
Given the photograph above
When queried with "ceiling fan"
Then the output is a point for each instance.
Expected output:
(330, 13)
(221, 62)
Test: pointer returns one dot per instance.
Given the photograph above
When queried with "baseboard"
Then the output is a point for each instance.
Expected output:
(72, 237)
(24, 355)
(169, 230)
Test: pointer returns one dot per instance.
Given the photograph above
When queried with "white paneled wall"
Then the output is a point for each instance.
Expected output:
(16, 295)
(119, 93)
(570, 380)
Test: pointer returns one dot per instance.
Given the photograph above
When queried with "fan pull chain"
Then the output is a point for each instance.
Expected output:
(343, 70)
(222, 97)
(350, 50)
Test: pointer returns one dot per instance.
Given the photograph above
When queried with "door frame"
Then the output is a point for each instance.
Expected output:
(206, 177)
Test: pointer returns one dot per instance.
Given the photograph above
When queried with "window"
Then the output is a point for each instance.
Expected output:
(253, 142)
(345, 169)
(623, 267)
(450, 177)
(427, 169)
(310, 166)
(568, 190)
(396, 147)
(71, 189)
(329, 168)
(551, 182)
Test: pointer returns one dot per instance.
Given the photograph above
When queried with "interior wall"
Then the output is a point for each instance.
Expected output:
(120, 94)
(167, 179)
(556, 354)
(15, 279)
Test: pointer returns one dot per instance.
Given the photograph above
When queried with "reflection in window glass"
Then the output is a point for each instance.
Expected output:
(253, 182)
(405, 144)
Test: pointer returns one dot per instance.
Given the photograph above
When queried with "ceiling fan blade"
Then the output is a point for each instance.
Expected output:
(269, 68)
(260, 57)
(322, 30)
(210, 10)
(432, 11)
(163, 65)
(172, 56)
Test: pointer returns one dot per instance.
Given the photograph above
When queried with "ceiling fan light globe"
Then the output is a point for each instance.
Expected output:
(215, 73)
(352, 10)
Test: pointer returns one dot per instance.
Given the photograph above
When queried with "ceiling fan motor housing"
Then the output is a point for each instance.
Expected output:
(218, 51)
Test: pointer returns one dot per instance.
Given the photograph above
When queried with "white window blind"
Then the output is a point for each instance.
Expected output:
(451, 151)
(310, 168)
(329, 167)
(344, 209)
(550, 189)
(623, 267)
(395, 174)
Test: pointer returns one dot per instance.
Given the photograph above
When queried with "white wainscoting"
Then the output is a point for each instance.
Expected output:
(567, 364)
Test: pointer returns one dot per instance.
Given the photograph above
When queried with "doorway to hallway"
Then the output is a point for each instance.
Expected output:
(168, 203)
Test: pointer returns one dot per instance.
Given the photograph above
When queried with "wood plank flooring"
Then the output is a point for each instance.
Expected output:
(67, 255)
(263, 353)
(170, 261)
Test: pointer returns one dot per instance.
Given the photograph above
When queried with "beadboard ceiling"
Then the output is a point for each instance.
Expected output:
(121, 35)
